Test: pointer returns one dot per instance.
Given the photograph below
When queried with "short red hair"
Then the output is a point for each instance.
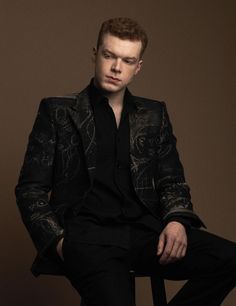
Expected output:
(123, 28)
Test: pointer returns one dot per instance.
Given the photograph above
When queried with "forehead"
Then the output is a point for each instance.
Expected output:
(121, 47)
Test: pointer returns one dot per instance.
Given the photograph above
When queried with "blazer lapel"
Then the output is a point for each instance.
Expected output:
(82, 116)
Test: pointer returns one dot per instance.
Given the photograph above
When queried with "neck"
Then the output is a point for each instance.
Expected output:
(115, 98)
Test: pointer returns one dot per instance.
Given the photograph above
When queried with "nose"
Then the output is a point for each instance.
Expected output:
(116, 66)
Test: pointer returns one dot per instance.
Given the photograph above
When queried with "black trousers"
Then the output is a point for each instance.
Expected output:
(100, 273)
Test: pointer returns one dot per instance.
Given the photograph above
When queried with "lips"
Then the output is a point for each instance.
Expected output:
(111, 78)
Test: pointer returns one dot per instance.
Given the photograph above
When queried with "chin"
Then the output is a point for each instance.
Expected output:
(110, 87)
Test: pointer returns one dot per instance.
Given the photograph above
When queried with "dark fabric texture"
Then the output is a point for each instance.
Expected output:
(101, 273)
(112, 195)
(61, 159)
(112, 202)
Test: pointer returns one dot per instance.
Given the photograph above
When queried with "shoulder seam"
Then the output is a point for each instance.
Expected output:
(61, 97)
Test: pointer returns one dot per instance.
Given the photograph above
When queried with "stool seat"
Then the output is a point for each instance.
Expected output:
(157, 284)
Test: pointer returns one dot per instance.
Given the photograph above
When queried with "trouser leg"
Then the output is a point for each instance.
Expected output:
(99, 273)
(209, 266)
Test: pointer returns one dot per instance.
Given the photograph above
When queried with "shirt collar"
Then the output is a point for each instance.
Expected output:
(97, 97)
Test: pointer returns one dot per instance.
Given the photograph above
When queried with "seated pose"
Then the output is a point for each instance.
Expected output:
(118, 196)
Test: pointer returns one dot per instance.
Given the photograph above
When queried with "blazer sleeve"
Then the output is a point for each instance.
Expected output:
(172, 189)
(35, 181)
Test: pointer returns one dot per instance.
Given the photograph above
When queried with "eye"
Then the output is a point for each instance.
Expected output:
(107, 55)
(129, 61)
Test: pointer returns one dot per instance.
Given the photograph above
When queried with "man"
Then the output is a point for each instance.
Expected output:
(119, 200)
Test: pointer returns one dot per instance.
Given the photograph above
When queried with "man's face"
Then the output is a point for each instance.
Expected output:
(117, 61)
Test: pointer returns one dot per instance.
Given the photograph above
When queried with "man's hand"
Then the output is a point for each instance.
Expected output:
(172, 243)
(59, 248)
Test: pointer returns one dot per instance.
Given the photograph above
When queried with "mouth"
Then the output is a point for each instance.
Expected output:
(113, 79)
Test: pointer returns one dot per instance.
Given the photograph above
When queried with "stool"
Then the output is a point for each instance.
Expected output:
(158, 288)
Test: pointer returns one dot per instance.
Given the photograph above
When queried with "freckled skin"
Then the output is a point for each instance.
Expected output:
(116, 58)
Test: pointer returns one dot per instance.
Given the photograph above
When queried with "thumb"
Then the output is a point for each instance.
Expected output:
(161, 244)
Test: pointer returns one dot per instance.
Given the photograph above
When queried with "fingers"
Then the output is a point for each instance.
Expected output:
(59, 248)
(161, 244)
(174, 250)
(172, 246)
(167, 253)
(178, 251)
(183, 252)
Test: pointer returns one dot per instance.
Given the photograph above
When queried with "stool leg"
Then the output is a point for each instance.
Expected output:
(82, 303)
(158, 291)
(132, 279)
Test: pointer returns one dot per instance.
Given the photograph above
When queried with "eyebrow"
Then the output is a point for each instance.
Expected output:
(126, 57)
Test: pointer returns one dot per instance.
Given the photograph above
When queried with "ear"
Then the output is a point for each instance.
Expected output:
(94, 55)
(138, 68)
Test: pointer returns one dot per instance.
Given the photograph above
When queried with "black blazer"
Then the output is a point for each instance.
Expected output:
(63, 137)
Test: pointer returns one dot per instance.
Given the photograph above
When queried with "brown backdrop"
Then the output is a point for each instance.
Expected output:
(190, 63)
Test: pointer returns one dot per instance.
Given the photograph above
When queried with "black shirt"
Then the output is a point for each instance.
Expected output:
(112, 203)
